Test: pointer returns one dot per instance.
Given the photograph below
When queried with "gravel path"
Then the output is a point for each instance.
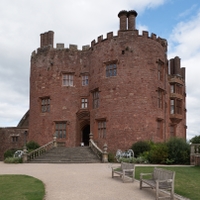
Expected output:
(80, 181)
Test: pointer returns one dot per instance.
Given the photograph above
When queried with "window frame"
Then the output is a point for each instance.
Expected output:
(45, 104)
(176, 106)
(160, 98)
(101, 128)
(61, 129)
(159, 128)
(160, 70)
(85, 80)
(95, 96)
(111, 70)
(84, 103)
(68, 79)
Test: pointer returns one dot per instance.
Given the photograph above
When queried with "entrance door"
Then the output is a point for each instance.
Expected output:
(86, 135)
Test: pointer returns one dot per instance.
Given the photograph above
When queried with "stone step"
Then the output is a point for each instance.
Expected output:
(68, 155)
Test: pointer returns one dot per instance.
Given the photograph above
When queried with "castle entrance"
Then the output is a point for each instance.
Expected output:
(86, 135)
(83, 127)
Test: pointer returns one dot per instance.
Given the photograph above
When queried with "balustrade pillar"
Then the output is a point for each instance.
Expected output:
(105, 154)
(91, 138)
(25, 157)
(54, 142)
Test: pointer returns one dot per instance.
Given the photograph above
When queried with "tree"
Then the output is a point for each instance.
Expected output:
(195, 140)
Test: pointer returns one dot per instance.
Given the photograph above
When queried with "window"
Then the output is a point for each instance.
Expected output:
(160, 98)
(160, 128)
(172, 106)
(111, 70)
(60, 129)
(172, 88)
(84, 103)
(85, 80)
(160, 71)
(45, 104)
(67, 79)
(172, 131)
(102, 129)
(179, 106)
(14, 138)
(176, 106)
(177, 88)
(96, 99)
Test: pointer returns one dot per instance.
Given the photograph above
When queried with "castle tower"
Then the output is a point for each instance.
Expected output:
(119, 89)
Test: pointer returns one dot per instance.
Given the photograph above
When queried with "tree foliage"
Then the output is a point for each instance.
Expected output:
(140, 147)
(195, 140)
(179, 151)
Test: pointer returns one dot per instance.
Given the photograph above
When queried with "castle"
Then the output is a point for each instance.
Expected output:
(122, 89)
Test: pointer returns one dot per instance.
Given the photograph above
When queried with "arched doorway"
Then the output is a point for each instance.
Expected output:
(86, 135)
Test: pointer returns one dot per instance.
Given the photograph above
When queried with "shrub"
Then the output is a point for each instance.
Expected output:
(13, 160)
(140, 147)
(140, 160)
(9, 153)
(179, 151)
(111, 157)
(158, 153)
(32, 145)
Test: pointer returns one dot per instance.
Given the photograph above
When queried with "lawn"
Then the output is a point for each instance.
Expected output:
(21, 187)
(187, 180)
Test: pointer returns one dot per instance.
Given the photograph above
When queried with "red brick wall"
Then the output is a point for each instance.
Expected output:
(6, 141)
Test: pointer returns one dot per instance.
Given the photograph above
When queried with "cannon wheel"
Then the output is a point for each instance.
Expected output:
(18, 154)
(131, 153)
(118, 155)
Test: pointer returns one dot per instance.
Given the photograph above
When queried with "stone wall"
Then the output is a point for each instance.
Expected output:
(11, 138)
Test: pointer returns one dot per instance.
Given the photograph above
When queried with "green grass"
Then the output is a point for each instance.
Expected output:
(21, 187)
(187, 180)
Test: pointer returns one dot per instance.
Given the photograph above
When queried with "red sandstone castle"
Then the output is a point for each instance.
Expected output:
(121, 88)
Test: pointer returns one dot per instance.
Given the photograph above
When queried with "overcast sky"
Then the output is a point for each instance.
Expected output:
(81, 21)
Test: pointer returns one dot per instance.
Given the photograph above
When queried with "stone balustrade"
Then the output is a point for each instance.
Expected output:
(195, 154)
(39, 151)
(103, 155)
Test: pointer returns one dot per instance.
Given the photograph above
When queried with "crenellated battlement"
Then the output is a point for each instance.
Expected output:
(132, 33)
(126, 29)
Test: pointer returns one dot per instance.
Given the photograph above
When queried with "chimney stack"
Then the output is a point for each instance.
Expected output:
(125, 17)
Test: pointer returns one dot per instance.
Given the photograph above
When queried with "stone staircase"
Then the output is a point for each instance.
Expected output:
(68, 155)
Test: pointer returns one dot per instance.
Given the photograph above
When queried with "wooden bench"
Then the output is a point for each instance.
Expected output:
(160, 179)
(126, 171)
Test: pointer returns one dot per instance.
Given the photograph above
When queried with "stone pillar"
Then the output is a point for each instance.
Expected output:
(54, 142)
(123, 20)
(132, 14)
(91, 138)
(105, 154)
(25, 157)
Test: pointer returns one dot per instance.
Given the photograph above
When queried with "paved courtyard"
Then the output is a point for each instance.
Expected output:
(80, 181)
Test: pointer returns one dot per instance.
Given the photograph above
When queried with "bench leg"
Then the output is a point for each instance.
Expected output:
(140, 184)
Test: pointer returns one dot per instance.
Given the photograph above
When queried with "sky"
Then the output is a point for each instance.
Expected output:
(80, 22)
